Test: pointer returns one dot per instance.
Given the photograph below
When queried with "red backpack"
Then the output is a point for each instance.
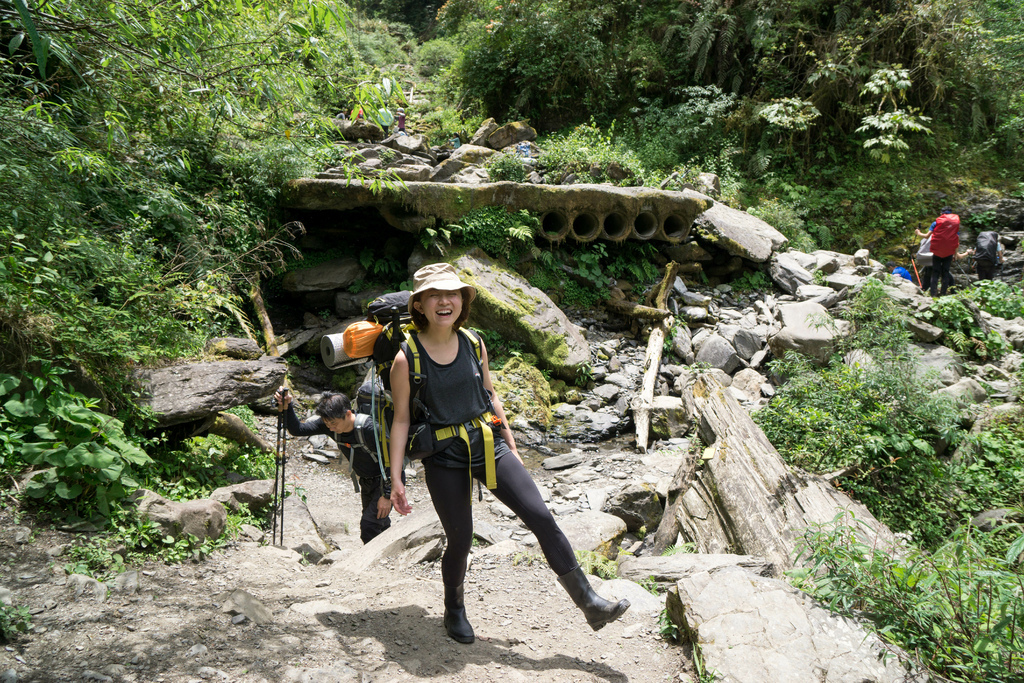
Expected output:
(946, 235)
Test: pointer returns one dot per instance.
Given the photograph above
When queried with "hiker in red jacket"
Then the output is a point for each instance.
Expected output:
(945, 234)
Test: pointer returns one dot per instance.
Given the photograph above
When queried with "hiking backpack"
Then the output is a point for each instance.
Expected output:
(946, 235)
(987, 246)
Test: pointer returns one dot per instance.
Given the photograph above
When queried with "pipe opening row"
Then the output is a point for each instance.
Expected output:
(586, 227)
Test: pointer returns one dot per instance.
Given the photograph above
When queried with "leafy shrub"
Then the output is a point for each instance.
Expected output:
(506, 167)
(877, 422)
(435, 55)
(963, 329)
(957, 610)
(751, 281)
(502, 234)
(998, 298)
(598, 565)
(586, 147)
(13, 619)
(80, 457)
(786, 219)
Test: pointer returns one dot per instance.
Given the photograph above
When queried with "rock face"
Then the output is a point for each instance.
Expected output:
(751, 629)
(745, 499)
(740, 234)
(182, 393)
(336, 274)
(511, 306)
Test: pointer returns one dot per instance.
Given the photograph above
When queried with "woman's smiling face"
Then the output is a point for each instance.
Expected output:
(440, 306)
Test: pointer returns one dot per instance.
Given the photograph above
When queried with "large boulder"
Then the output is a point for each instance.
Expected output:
(938, 362)
(359, 129)
(637, 505)
(749, 628)
(509, 305)
(203, 518)
(182, 393)
(718, 353)
(595, 531)
(333, 274)
(483, 132)
(788, 273)
(738, 233)
(807, 329)
(510, 134)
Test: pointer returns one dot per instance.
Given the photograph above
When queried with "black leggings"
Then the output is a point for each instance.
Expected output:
(452, 495)
(940, 265)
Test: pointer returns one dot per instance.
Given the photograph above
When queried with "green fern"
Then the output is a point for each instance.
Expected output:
(599, 565)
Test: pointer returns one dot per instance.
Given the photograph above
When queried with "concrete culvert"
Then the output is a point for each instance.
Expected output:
(645, 226)
(554, 226)
(675, 228)
(586, 227)
(615, 227)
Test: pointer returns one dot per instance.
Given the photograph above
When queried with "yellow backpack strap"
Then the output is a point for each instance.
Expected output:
(474, 339)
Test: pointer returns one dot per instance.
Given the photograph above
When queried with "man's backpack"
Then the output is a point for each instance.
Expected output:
(987, 246)
(945, 235)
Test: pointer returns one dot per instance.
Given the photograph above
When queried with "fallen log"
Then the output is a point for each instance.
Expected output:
(633, 310)
(652, 359)
(231, 427)
(744, 499)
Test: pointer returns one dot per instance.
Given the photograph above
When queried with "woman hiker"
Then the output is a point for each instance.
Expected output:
(459, 398)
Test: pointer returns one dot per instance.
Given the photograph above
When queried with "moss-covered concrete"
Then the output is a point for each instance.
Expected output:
(407, 206)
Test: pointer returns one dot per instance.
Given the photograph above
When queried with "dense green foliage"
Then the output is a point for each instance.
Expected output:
(879, 423)
(957, 610)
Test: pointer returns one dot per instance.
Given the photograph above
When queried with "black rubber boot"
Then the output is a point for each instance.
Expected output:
(455, 621)
(598, 611)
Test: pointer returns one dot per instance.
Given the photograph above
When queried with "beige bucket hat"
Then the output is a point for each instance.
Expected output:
(440, 276)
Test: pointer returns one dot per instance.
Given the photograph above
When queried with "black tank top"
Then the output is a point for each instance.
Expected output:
(454, 394)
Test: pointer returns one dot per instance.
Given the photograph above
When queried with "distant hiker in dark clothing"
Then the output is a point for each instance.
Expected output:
(988, 254)
(336, 419)
(401, 120)
(945, 239)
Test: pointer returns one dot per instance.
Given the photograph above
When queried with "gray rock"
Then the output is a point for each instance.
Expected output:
(234, 347)
(838, 281)
(670, 569)
(203, 518)
(752, 628)
(483, 132)
(922, 331)
(257, 495)
(788, 274)
(966, 391)
(637, 505)
(127, 583)
(938, 361)
(990, 519)
(419, 528)
(596, 531)
(640, 601)
(826, 262)
(510, 134)
(718, 353)
(805, 292)
(183, 393)
(807, 329)
(861, 257)
(81, 585)
(240, 602)
(669, 418)
(739, 234)
(748, 382)
(562, 462)
(334, 274)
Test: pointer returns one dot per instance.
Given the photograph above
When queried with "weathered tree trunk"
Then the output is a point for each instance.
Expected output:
(633, 310)
(231, 427)
(652, 360)
(268, 328)
(745, 499)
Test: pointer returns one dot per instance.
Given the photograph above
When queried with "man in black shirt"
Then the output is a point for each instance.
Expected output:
(334, 417)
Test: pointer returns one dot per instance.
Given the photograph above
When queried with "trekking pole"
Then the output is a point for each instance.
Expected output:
(276, 537)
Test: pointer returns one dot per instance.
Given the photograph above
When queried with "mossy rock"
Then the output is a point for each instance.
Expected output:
(524, 392)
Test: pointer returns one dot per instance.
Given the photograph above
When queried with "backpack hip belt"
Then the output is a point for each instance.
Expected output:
(484, 424)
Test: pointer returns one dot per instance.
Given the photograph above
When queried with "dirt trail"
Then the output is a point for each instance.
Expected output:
(384, 625)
